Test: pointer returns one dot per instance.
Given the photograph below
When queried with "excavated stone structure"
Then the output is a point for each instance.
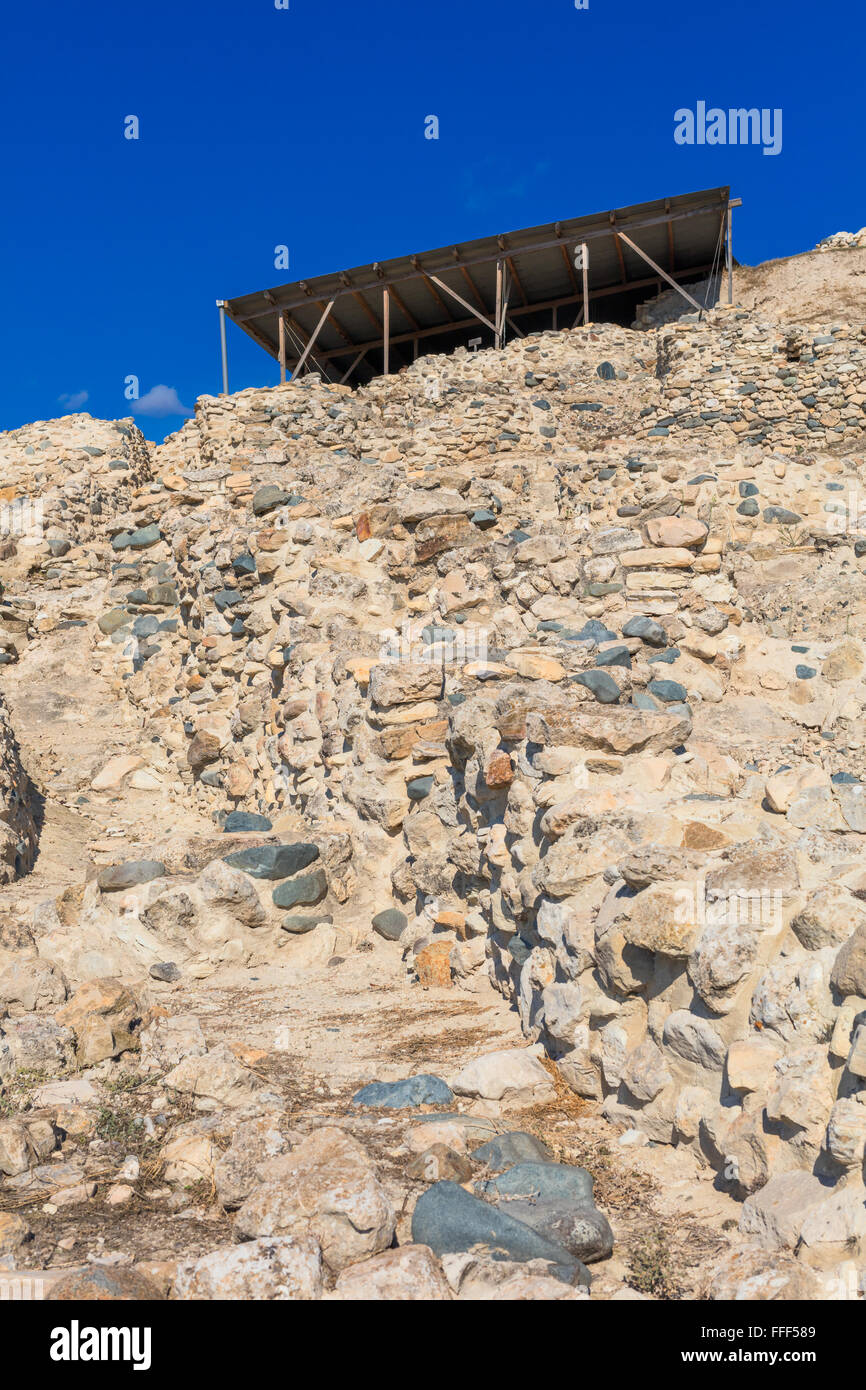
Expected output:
(548, 664)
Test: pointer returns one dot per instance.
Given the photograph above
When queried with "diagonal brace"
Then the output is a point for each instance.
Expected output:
(465, 302)
(308, 349)
(657, 268)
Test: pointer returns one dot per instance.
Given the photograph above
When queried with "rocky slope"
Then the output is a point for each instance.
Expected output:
(527, 687)
(825, 285)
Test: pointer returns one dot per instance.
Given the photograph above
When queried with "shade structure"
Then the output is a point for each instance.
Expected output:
(351, 325)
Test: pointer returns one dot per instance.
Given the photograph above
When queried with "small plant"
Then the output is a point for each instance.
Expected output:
(791, 538)
(123, 1082)
(202, 1192)
(118, 1126)
(650, 1267)
(126, 1129)
(15, 1093)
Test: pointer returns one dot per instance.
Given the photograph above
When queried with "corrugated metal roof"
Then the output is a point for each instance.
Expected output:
(681, 234)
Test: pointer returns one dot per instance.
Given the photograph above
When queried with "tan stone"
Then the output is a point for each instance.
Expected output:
(189, 1158)
(432, 965)
(327, 1189)
(843, 663)
(410, 1274)
(664, 918)
(115, 770)
(514, 1074)
(698, 835)
(536, 666)
(677, 531)
(784, 788)
(499, 771)
(661, 557)
(14, 1232)
(750, 1063)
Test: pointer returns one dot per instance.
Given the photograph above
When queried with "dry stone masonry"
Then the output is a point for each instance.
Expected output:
(542, 670)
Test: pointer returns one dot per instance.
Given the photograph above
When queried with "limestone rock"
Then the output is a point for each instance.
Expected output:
(410, 1274)
(514, 1075)
(272, 1269)
(217, 1078)
(329, 1191)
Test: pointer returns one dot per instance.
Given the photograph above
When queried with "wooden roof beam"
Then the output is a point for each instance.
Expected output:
(309, 348)
(416, 265)
(397, 298)
(374, 319)
(438, 329)
(320, 304)
(361, 355)
(569, 267)
(622, 270)
(307, 345)
(509, 261)
(474, 289)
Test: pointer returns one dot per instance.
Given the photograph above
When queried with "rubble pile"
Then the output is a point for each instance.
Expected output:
(842, 240)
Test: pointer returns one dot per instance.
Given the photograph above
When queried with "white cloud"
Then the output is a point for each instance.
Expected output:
(160, 401)
(73, 400)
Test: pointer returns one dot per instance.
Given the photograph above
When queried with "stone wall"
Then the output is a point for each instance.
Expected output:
(696, 965)
(740, 381)
(18, 832)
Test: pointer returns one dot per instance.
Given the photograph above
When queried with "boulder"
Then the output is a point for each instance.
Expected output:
(273, 861)
(410, 1274)
(448, 1219)
(328, 1190)
(217, 1078)
(514, 1075)
(274, 1269)
(405, 1095)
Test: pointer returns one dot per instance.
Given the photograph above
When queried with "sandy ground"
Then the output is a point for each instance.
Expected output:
(821, 287)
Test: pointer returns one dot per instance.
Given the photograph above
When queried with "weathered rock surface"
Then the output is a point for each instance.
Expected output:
(269, 1269)
(327, 1188)
(450, 1220)
(540, 671)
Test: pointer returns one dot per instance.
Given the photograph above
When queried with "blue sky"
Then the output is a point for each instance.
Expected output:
(305, 127)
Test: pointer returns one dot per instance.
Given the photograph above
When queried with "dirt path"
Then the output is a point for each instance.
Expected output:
(316, 1035)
